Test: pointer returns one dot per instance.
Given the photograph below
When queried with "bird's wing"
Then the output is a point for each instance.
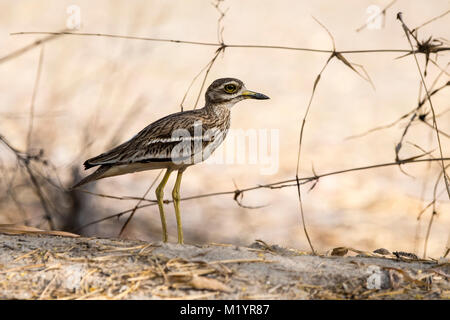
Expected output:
(155, 142)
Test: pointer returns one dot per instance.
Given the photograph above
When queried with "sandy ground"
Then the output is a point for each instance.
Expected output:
(53, 267)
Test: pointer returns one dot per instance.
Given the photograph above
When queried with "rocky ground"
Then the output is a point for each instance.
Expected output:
(35, 265)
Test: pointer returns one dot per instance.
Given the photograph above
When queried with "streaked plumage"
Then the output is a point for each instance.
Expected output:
(194, 133)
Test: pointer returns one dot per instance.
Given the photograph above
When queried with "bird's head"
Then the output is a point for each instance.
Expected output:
(229, 91)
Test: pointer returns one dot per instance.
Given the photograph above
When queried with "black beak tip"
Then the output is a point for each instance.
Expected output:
(261, 96)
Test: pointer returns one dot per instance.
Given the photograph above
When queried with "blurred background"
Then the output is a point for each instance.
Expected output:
(93, 93)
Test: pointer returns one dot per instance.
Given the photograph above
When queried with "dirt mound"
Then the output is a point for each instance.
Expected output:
(40, 266)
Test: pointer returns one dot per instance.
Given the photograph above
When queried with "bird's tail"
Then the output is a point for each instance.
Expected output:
(98, 174)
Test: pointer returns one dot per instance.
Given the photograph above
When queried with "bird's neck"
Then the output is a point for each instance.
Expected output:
(219, 110)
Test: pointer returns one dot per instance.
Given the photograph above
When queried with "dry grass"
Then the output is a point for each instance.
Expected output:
(83, 268)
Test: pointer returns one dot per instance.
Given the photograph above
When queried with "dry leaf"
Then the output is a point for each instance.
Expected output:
(407, 277)
(21, 229)
(199, 282)
(382, 251)
(339, 251)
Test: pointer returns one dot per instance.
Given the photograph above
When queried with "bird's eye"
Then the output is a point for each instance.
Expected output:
(230, 88)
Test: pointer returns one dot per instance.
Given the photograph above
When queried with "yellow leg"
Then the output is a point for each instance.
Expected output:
(160, 198)
(176, 203)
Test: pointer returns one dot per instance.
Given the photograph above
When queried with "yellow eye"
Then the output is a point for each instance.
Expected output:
(230, 88)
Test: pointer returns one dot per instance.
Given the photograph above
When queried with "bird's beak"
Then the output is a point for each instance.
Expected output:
(247, 94)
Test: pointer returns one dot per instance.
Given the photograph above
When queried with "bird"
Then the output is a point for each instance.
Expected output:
(174, 143)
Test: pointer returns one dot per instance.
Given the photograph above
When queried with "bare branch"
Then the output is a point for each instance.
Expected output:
(33, 98)
(408, 33)
(382, 12)
(139, 202)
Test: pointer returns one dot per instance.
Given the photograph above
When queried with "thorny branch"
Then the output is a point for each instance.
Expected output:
(33, 45)
(214, 44)
(24, 159)
(420, 116)
(139, 202)
(274, 185)
(408, 33)
(33, 98)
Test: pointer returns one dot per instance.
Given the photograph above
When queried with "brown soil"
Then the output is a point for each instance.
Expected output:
(55, 267)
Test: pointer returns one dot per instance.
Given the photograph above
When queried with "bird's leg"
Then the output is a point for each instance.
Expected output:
(160, 198)
(176, 203)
